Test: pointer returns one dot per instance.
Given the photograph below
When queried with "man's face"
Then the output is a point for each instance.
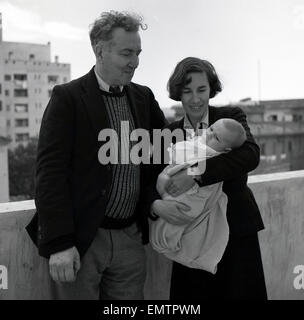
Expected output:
(118, 58)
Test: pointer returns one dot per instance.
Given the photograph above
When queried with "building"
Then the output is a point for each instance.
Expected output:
(278, 127)
(169, 114)
(27, 76)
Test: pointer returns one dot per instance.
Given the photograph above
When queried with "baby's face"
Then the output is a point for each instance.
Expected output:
(218, 137)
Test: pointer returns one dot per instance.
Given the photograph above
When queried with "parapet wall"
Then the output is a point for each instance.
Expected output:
(280, 197)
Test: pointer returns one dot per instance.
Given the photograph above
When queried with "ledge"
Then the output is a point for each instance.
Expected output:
(279, 197)
(276, 176)
(17, 206)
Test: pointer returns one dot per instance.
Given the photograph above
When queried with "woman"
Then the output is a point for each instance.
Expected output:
(240, 272)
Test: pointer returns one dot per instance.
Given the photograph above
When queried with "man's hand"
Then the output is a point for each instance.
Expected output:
(179, 183)
(171, 211)
(64, 265)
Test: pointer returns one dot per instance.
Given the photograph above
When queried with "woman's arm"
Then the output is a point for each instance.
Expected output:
(235, 163)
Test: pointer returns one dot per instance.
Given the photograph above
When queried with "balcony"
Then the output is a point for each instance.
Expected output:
(280, 198)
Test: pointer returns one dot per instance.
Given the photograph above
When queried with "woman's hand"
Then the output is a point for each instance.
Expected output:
(171, 211)
(179, 183)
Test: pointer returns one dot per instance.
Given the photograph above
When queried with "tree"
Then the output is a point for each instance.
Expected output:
(21, 164)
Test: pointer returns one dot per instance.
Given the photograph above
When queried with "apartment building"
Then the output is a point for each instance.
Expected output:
(27, 77)
(278, 126)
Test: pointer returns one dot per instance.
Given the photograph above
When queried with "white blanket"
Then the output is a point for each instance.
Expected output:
(201, 243)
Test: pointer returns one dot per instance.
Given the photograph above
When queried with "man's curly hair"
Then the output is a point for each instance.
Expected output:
(102, 28)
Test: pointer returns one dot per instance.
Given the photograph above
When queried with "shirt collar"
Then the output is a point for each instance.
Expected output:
(102, 84)
(203, 124)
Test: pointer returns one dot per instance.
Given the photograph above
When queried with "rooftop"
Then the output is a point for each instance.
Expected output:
(280, 199)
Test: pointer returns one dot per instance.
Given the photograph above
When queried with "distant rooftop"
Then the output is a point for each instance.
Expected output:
(279, 103)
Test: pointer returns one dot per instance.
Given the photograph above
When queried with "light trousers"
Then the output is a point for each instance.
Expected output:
(113, 268)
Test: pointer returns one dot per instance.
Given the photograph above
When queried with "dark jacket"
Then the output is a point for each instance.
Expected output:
(243, 214)
(72, 187)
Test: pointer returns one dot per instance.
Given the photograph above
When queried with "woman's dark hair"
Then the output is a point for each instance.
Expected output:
(178, 79)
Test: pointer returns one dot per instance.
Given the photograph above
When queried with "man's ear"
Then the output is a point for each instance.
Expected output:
(227, 149)
(98, 49)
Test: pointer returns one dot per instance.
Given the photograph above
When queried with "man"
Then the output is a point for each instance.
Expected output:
(88, 213)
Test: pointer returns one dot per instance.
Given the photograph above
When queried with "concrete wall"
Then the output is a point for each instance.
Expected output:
(280, 198)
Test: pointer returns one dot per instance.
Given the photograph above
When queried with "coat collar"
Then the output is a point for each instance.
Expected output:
(96, 107)
(212, 113)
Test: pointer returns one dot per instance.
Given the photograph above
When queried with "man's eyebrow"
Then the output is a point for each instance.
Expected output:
(131, 50)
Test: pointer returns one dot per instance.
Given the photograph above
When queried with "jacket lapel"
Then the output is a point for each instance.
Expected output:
(212, 115)
(138, 108)
(94, 103)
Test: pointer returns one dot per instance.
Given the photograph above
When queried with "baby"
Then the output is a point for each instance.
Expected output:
(224, 135)
(202, 243)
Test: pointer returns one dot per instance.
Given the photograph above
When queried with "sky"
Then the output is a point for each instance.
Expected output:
(251, 43)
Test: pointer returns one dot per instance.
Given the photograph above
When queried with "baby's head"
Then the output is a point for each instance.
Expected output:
(225, 134)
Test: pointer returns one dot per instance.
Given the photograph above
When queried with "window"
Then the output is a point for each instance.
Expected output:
(50, 93)
(20, 137)
(7, 77)
(0, 88)
(65, 79)
(21, 123)
(8, 123)
(289, 146)
(20, 77)
(263, 148)
(7, 93)
(0, 105)
(52, 79)
(20, 93)
(8, 107)
(32, 56)
(297, 117)
(21, 108)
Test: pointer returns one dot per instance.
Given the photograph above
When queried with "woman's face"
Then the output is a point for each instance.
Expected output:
(195, 95)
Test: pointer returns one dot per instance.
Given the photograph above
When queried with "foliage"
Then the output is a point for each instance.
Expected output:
(21, 163)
